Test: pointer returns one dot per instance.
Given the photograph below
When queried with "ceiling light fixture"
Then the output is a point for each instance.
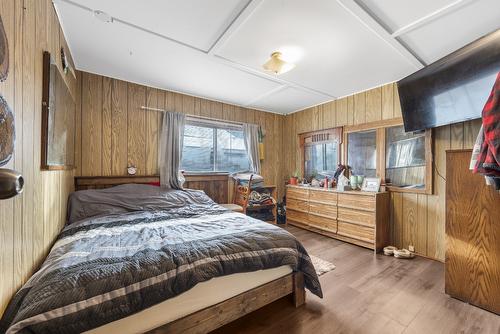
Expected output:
(103, 17)
(277, 65)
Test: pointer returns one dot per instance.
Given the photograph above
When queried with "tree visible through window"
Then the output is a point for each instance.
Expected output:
(214, 147)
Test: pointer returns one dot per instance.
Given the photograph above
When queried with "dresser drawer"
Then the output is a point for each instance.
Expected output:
(296, 204)
(363, 202)
(323, 197)
(356, 216)
(354, 231)
(297, 193)
(301, 217)
(323, 223)
(326, 210)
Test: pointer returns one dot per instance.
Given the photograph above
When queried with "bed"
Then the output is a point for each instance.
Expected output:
(135, 258)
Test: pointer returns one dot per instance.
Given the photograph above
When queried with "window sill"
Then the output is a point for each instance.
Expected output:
(205, 173)
(396, 189)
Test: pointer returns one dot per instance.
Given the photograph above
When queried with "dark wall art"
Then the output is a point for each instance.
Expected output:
(4, 53)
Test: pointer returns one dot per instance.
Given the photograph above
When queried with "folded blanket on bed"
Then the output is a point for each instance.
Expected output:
(107, 267)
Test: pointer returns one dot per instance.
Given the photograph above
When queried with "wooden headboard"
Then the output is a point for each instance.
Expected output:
(102, 182)
(216, 186)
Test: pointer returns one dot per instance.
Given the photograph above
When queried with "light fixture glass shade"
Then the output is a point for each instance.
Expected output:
(277, 65)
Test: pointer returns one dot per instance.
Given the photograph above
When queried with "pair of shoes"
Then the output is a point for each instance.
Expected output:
(403, 254)
(398, 253)
(389, 250)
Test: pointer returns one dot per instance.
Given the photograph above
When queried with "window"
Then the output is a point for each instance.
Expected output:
(212, 146)
(362, 153)
(321, 159)
(320, 152)
(405, 163)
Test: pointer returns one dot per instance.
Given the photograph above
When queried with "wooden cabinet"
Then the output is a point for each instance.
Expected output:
(358, 217)
(472, 265)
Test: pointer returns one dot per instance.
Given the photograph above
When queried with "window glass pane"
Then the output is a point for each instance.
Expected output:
(405, 158)
(198, 150)
(231, 153)
(362, 153)
(320, 159)
(331, 158)
(214, 148)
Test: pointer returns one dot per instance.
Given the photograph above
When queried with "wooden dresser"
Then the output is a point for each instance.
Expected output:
(472, 235)
(361, 218)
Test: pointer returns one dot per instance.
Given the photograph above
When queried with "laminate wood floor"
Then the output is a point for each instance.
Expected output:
(369, 294)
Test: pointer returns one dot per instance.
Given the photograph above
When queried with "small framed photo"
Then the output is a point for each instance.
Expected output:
(371, 184)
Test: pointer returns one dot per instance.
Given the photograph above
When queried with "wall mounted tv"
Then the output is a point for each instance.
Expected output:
(452, 89)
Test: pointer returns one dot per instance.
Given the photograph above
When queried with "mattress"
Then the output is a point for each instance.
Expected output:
(203, 295)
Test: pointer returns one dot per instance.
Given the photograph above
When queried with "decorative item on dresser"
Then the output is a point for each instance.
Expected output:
(472, 266)
(358, 217)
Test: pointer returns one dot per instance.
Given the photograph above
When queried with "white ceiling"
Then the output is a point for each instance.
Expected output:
(215, 48)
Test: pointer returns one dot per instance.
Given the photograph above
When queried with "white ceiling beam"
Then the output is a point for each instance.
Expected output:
(238, 21)
(374, 25)
(132, 25)
(431, 17)
(266, 94)
(268, 76)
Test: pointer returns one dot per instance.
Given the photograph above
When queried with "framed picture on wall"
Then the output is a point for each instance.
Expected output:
(371, 184)
(58, 119)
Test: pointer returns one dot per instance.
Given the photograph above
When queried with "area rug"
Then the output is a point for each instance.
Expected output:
(321, 266)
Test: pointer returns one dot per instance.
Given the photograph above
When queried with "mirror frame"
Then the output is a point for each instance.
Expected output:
(380, 127)
(47, 61)
(320, 136)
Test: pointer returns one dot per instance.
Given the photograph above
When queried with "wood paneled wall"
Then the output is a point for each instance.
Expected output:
(417, 220)
(29, 222)
(113, 132)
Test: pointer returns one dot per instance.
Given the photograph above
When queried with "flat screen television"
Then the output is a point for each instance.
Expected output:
(452, 89)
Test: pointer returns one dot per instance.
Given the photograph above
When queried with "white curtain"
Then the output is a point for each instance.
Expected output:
(251, 136)
(170, 149)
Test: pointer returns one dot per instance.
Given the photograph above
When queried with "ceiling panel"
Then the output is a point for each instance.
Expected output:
(336, 54)
(395, 14)
(119, 51)
(450, 32)
(288, 100)
(196, 23)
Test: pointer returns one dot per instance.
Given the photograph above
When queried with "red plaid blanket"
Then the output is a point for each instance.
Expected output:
(488, 161)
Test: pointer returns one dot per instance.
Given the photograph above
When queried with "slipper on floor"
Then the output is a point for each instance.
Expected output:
(389, 250)
(403, 254)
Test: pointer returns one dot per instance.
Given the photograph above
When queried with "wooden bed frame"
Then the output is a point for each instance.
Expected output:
(215, 316)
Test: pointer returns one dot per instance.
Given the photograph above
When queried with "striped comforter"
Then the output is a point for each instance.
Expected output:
(106, 268)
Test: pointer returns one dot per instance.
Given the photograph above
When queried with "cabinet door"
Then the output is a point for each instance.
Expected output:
(472, 267)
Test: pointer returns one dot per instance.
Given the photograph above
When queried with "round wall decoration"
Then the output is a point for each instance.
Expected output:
(4, 53)
(7, 132)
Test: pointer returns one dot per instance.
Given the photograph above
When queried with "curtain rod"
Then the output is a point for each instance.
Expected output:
(194, 116)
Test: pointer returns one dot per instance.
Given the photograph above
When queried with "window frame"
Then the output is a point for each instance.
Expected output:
(346, 155)
(214, 125)
(380, 127)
